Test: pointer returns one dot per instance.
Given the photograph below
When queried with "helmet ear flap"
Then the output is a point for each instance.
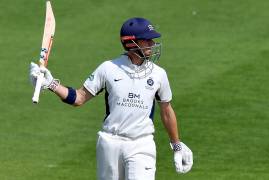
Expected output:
(128, 42)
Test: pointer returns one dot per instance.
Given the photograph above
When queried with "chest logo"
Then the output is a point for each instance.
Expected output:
(150, 82)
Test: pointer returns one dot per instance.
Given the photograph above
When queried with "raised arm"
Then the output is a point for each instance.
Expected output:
(67, 94)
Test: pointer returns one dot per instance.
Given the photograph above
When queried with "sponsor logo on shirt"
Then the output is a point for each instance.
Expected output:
(133, 101)
(134, 96)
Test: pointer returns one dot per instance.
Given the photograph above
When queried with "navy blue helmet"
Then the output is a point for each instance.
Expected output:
(136, 28)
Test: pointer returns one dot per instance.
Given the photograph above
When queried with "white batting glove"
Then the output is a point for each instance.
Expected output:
(36, 71)
(183, 158)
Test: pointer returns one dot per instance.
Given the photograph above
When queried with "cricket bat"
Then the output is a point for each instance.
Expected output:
(49, 30)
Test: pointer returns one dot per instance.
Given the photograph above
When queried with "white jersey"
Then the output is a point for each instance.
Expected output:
(129, 101)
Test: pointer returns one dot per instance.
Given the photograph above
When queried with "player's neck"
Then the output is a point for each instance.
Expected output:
(135, 58)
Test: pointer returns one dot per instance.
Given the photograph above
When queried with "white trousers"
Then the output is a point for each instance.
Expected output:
(120, 158)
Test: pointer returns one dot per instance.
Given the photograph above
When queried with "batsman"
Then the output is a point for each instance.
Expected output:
(132, 84)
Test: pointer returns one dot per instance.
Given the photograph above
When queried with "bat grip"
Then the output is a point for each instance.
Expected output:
(38, 85)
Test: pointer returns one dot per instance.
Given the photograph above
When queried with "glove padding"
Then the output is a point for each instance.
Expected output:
(36, 71)
(183, 159)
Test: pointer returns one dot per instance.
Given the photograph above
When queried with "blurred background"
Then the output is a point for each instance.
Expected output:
(214, 51)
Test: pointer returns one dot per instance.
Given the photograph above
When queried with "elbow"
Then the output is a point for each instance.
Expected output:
(78, 103)
(75, 104)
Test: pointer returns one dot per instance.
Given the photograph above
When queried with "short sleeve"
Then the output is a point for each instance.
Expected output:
(164, 93)
(95, 83)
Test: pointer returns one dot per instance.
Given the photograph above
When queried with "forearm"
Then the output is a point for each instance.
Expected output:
(61, 91)
(70, 95)
(77, 97)
(67, 95)
(170, 123)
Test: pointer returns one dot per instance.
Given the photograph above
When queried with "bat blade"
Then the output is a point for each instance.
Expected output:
(49, 30)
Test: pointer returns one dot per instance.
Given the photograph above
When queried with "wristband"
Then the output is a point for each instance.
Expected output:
(176, 146)
(71, 97)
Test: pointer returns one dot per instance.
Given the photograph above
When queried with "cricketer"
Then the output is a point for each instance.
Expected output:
(132, 83)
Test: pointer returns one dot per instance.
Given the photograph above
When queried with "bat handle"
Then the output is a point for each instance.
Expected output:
(38, 85)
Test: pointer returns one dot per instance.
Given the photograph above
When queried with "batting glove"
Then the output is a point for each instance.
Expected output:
(48, 81)
(183, 157)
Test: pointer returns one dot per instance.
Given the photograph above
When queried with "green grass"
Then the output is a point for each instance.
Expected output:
(216, 55)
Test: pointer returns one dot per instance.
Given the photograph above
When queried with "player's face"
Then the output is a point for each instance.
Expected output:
(146, 45)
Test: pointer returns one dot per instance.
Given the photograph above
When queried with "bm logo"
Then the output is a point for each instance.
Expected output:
(133, 96)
